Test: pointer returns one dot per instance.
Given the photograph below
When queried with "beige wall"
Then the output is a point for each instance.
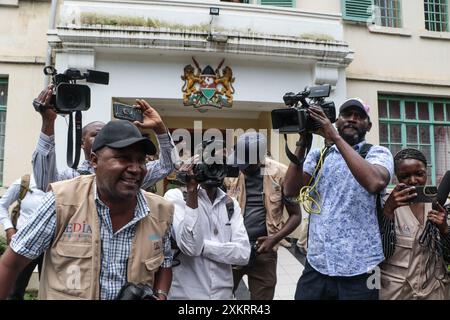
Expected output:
(24, 29)
(320, 6)
(400, 57)
(23, 44)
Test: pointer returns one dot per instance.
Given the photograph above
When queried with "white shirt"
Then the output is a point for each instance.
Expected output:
(207, 256)
(30, 203)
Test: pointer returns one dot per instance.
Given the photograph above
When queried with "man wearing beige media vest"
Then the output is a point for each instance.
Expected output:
(98, 231)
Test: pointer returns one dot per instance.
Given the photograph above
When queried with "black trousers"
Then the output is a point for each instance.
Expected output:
(314, 285)
(21, 284)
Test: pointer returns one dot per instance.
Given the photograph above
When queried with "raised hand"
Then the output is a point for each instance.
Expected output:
(42, 103)
(439, 218)
(326, 129)
(152, 119)
(400, 196)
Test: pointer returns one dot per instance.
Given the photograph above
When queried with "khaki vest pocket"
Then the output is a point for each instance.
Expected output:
(74, 250)
(154, 263)
(73, 266)
(398, 264)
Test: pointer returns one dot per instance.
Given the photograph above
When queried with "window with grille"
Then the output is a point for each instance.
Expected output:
(278, 3)
(3, 101)
(436, 15)
(419, 123)
(387, 13)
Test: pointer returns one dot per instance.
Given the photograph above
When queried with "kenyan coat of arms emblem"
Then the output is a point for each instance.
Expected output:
(207, 87)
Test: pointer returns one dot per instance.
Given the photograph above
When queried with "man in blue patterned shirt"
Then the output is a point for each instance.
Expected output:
(98, 231)
(344, 243)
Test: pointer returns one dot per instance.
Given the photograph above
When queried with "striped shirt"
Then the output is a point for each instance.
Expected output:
(45, 171)
(37, 236)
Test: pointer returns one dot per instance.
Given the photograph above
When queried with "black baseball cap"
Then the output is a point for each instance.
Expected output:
(120, 134)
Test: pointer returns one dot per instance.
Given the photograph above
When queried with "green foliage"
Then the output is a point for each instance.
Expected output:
(88, 18)
(316, 36)
(30, 295)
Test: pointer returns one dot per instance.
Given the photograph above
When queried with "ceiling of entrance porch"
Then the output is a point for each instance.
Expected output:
(239, 110)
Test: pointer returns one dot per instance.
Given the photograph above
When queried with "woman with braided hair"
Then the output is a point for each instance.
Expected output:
(417, 269)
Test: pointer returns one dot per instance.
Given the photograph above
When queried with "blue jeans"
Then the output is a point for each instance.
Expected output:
(313, 285)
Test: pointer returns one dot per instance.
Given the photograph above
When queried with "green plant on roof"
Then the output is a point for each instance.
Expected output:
(88, 18)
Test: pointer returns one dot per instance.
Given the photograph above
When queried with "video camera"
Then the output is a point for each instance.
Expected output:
(209, 171)
(69, 96)
(297, 119)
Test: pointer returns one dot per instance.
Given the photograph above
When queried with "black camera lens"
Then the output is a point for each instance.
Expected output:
(72, 97)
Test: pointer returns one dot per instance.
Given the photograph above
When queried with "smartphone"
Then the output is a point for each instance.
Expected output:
(126, 112)
(425, 194)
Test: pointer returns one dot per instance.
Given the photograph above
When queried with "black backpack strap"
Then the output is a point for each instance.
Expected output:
(387, 226)
(364, 150)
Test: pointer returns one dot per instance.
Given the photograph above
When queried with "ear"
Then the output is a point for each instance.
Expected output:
(94, 160)
(369, 126)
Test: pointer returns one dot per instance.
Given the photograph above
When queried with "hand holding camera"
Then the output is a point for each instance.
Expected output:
(326, 129)
(141, 114)
(400, 196)
(42, 104)
(152, 119)
(439, 218)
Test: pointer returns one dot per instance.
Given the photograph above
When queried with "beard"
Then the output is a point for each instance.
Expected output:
(354, 137)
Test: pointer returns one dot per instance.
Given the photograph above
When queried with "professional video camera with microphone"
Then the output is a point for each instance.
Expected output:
(69, 96)
(296, 119)
(212, 168)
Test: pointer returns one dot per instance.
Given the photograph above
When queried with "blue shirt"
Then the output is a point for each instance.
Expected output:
(37, 236)
(344, 239)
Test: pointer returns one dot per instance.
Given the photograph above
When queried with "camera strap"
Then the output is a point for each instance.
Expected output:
(73, 163)
(292, 157)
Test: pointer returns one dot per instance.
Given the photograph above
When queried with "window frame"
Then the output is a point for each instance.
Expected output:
(403, 122)
(428, 14)
(284, 3)
(394, 20)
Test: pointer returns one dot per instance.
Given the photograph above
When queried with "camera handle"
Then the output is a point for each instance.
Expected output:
(292, 157)
(73, 163)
